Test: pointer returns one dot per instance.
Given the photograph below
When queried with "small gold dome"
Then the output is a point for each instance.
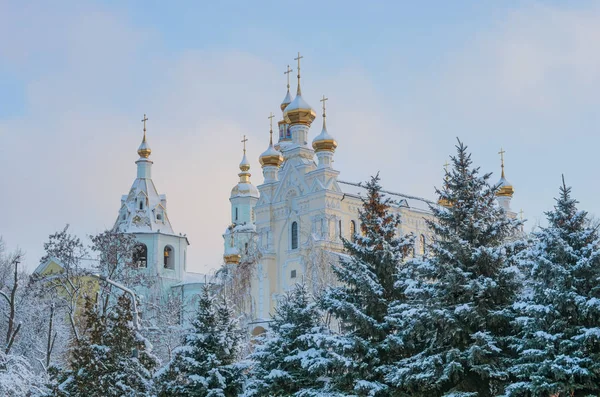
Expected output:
(324, 142)
(299, 112)
(232, 259)
(271, 157)
(506, 189)
(245, 164)
(286, 101)
(445, 203)
(144, 150)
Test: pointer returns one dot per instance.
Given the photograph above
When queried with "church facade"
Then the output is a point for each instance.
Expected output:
(301, 211)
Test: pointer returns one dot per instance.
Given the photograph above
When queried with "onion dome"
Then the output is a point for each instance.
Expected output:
(287, 100)
(505, 187)
(299, 111)
(271, 157)
(144, 150)
(245, 164)
(324, 141)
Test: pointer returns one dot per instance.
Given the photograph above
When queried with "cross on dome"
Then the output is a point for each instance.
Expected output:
(501, 153)
(324, 100)
(298, 59)
(287, 72)
(144, 150)
(244, 142)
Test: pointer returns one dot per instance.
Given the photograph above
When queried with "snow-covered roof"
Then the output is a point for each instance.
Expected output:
(404, 200)
(143, 210)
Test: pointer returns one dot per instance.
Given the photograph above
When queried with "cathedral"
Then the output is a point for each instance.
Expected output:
(288, 228)
(302, 207)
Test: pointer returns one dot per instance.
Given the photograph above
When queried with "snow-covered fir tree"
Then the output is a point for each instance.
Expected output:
(205, 365)
(367, 291)
(558, 343)
(294, 357)
(461, 311)
(110, 359)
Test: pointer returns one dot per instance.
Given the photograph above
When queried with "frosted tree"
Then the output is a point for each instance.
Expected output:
(558, 343)
(110, 358)
(460, 312)
(294, 357)
(367, 291)
(205, 364)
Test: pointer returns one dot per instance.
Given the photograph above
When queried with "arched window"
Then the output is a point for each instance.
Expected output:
(352, 230)
(169, 257)
(141, 204)
(422, 244)
(294, 235)
(246, 248)
(140, 255)
(340, 228)
(236, 213)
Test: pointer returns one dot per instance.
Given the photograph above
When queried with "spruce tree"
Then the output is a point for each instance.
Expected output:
(558, 343)
(103, 362)
(366, 293)
(294, 357)
(206, 363)
(459, 315)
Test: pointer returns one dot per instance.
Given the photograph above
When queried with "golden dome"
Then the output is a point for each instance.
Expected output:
(232, 259)
(445, 203)
(144, 150)
(505, 188)
(324, 141)
(271, 157)
(286, 101)
(299, 111)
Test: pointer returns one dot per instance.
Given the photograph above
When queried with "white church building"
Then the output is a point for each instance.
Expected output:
(302, 208)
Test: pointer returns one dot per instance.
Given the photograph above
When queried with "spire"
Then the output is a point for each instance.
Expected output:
(298, 111)
(299, 90)
(324, 141)
(506, 189)
(144, 150)
(442, 201)
(288, 99)
(271, 157)
(501, 153)
(244, 187)
(245, 164)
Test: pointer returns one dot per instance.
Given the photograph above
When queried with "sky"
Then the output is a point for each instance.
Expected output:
(404, 81)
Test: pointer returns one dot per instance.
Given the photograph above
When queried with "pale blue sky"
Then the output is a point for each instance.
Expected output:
(404, 80)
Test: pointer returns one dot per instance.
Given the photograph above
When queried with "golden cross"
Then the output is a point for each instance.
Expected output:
(298, 59)
(288, 71)
(501, 153)
(244, 142)
(144, 121)
(271, 128)
(446, 166)
(324, 100)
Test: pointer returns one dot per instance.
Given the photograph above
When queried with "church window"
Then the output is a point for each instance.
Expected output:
(422, 244)
(340, 228)
(295, 235)
(236, 214)
(246, 248)
(293, 274)
(159, 217)
(352, 229)
(141, 204)
(140, 255)
(169, 257)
